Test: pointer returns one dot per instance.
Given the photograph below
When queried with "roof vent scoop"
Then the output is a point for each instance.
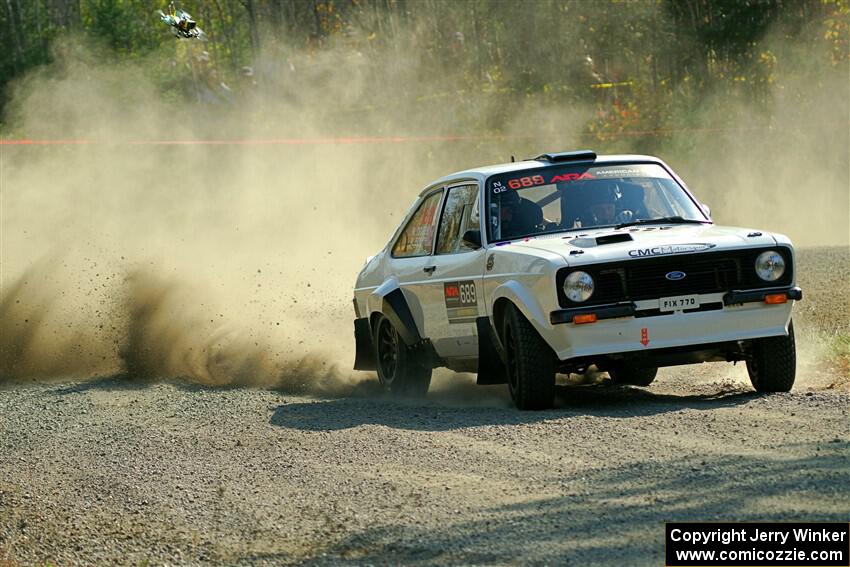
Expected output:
(613, 238)
(561, 157)
(589, 241)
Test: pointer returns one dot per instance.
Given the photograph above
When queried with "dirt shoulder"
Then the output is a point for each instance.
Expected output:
(108, 471)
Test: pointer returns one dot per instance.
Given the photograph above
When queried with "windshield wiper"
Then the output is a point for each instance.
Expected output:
(662, 220)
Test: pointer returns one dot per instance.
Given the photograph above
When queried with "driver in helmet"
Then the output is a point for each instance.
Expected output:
(518, 216)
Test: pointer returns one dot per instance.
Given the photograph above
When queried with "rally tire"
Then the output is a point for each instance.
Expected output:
(530, 363)
(402, 370)
(772, 364)
(632, 375)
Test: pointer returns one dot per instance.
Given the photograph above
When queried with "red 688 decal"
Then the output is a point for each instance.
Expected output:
(529, 181)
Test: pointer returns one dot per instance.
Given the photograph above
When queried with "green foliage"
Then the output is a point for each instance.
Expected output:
(644, 65)
(127, 27)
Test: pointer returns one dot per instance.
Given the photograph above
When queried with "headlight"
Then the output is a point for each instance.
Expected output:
(770, 266)
(578, 286)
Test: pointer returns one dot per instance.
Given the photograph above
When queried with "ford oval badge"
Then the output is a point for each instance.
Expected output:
(675, 276)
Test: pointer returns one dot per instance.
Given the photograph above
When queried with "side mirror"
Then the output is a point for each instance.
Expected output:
(472, 238)
(706, 209)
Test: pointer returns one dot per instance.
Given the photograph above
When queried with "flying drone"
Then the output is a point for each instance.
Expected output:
(181, 23)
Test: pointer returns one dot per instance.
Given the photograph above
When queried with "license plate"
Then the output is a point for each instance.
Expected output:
(678, 303)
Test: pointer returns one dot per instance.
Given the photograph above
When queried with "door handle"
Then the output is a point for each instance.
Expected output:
(429, 269)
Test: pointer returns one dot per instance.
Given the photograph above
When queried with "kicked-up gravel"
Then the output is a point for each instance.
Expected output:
(114, 471)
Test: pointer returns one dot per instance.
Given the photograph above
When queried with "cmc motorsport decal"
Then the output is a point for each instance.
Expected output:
(672, 249)
(461, 301)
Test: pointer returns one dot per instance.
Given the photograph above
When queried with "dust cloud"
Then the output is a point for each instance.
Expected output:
(218, 263)
(233, 263)
(784, 167)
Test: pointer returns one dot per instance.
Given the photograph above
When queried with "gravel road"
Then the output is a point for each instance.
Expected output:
(136, 472)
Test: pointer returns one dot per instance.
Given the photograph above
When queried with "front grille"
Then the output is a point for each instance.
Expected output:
(645, 278)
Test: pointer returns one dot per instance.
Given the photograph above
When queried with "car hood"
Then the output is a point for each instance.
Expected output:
(606, 244)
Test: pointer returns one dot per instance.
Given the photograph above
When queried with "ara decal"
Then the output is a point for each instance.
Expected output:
(571, 177)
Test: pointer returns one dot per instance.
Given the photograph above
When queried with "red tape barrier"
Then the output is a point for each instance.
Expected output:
(269, 142)
(356, 139)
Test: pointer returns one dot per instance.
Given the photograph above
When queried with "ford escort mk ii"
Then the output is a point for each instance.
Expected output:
(520, 271)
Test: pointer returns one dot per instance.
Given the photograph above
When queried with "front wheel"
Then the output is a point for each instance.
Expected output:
(531, 363)
(772, 364)
(401, 370)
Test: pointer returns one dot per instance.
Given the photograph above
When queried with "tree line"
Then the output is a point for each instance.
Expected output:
(643, 63)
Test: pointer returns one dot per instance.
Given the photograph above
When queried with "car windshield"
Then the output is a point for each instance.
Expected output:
(552, 199)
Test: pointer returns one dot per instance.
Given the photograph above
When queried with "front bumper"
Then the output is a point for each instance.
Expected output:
(758, 295)
(630, 309)
(640, 326)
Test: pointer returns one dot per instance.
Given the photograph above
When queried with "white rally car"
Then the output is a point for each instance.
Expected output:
(524, 270)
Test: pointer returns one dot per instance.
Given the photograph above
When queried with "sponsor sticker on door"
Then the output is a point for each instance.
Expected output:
(461, 301)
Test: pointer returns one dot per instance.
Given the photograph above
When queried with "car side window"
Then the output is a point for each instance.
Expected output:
(460, 214)
(418, 236)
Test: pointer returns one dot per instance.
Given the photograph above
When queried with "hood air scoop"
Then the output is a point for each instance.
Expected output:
(586, 242)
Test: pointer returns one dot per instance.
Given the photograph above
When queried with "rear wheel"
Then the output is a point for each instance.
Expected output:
(772, 364)
(531, 363)
(401, 370)
(624, 373)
